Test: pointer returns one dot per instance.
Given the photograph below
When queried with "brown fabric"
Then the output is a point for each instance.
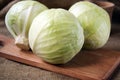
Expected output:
(10, 70)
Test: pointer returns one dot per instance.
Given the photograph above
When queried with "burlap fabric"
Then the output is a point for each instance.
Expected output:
(10, 70)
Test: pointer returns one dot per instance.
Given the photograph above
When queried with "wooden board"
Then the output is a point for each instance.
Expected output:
(87, 65)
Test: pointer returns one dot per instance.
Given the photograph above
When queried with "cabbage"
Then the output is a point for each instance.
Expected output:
(56, 36)
(19, 18)
(95, 22)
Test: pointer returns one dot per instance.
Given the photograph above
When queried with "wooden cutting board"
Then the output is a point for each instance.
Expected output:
(87, 65)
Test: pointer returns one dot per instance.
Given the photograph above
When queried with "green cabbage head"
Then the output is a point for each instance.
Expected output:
(19, 18)
(95, 22)
(56, 36)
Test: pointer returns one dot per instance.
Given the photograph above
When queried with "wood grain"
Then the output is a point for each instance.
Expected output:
(87, 65)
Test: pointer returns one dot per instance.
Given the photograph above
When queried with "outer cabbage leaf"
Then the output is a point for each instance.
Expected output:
(56, 36)
(19, 18)
(95, 22)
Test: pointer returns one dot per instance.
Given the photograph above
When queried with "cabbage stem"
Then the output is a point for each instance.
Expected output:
(22, 42)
